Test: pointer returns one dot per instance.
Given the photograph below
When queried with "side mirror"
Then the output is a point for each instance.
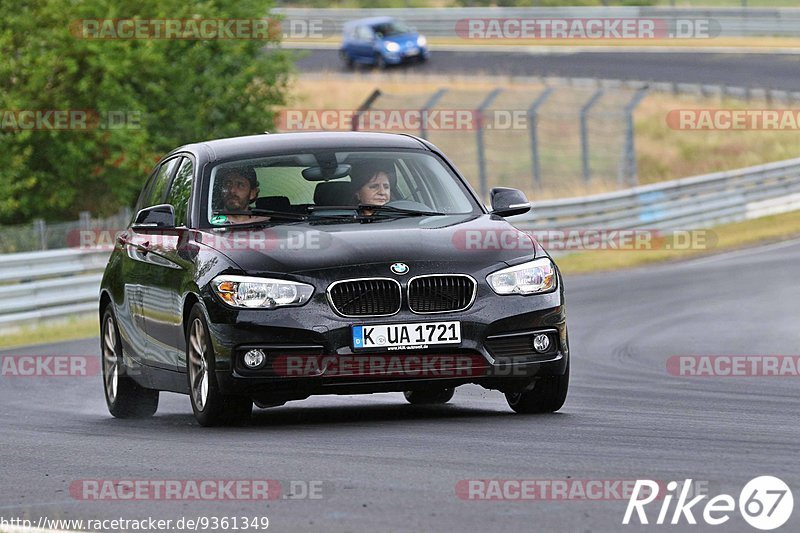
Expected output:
(507, 202)
(157, 216)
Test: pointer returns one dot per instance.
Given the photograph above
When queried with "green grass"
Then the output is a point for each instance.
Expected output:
(56, 330)
(721, 238)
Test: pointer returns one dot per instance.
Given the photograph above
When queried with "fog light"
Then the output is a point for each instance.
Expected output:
(254, 359)
(541, 342)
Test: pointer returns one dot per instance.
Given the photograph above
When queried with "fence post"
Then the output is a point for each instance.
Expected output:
(363, 107)
(432, 101)
(585, 133)
(533, 126)
(40, 228)
(479, 140)
(85, 220)
(629, 157)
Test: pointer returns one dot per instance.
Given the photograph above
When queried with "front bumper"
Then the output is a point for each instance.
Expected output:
(404, 56)
(319, 343)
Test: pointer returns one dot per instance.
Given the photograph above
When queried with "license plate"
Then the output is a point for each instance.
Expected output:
(412, 51)
(392, 335)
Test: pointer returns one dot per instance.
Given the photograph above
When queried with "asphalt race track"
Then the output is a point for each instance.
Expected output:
(387, 466)
(768, 71)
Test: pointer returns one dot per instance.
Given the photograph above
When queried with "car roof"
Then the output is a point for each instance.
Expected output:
(368, 21)
(266, 144)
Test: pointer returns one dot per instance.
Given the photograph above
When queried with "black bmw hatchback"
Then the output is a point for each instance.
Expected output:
(269, 268)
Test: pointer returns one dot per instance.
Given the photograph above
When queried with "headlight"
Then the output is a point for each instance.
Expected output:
(392, 46)
(528, 278)
(263, 293)
(422, 41)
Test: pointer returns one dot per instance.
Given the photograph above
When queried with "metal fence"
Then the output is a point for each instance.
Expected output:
(524, 138)
(535, 133)
(63, 283)
(442, 22)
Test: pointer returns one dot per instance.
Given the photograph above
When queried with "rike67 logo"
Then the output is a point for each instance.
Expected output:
(765, 503)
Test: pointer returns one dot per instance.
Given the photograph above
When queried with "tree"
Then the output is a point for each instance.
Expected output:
(161, 92)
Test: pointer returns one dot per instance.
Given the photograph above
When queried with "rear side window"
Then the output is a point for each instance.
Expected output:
(181, 190)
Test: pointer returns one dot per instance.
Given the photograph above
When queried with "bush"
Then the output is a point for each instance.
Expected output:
(170, 92)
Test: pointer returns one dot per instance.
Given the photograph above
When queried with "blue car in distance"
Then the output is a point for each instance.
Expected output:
(381, 41)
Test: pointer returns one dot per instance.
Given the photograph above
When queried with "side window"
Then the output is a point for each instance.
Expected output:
(156, 193)
(364, 33)
(403, 188)
(142, 195)
(181, 190)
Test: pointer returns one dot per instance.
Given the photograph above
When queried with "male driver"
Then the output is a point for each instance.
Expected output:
(239, 189)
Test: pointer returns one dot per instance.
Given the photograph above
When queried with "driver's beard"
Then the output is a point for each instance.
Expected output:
(235, 204)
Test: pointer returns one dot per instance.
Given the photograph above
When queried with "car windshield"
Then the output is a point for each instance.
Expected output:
(335, 184)
(388, 29)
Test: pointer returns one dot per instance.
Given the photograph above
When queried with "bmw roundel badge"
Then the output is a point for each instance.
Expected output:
(399, 268)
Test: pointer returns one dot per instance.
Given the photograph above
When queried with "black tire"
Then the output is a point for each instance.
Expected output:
(210, 406)
(379, 62)
(348, 61)
(124, 397)
(548, 395)
(429, 397)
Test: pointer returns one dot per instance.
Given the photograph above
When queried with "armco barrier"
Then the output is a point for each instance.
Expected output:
(441, 22)
(51, 284)
(61, 283)
(687, 203)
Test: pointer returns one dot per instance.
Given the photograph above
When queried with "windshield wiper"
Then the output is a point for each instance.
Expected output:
(399, 210)
(264, 212)
(371, 207)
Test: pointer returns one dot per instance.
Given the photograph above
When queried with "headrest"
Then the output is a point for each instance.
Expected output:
(333, 193)
(273, 203)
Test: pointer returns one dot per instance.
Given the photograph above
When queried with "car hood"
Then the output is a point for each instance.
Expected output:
(467, 240)
(403, 38)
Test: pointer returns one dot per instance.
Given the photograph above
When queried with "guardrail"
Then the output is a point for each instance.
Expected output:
(686, 203)
(441, 22)
(51, 284)
(60, 283)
